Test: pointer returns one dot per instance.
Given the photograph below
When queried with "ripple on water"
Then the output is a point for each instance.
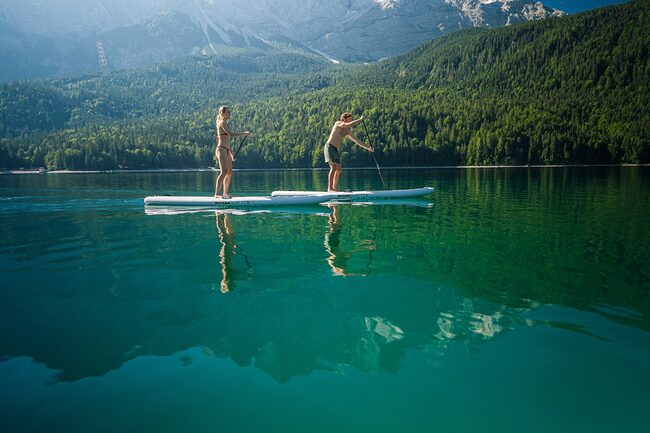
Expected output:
(47, 204)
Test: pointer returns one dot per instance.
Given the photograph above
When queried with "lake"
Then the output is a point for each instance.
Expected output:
(511, 299)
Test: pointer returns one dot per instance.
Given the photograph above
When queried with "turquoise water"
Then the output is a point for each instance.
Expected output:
(510, 300)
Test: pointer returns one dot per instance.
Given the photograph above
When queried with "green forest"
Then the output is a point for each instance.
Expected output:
(570, 90)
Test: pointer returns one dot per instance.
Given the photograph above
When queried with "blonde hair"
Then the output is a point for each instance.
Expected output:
(346, 114)
(222, 109)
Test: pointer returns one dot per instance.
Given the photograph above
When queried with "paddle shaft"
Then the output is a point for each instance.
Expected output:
(373, 154)
(240, 146)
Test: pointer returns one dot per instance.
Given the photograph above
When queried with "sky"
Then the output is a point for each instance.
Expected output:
(573, 6)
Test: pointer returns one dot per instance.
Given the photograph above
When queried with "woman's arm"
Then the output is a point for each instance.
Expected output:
(232, 133)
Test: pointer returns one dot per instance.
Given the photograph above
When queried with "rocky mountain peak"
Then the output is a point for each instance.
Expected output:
(139, 32)
(487, 13)
(387, 4)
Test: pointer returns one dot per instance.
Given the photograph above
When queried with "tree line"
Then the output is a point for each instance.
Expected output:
(571, 90)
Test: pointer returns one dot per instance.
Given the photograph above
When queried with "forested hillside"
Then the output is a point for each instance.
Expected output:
(565, 90)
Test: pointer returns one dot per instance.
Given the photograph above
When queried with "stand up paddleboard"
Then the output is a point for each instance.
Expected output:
(170, 200)
(285, 198)
(357, 195)
(309, 210)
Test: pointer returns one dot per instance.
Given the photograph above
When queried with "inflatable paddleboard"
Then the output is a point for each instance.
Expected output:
(170, 200)
(413, 202)
(357, 195)
(278, 210)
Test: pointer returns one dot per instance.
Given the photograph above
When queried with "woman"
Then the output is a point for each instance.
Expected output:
(223, 152)
(340, 130)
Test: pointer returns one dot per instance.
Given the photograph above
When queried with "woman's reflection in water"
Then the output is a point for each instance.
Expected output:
(228, 251)
(338, 258)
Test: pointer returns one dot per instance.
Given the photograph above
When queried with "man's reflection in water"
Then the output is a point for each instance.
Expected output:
(338, 258)
(227, 252)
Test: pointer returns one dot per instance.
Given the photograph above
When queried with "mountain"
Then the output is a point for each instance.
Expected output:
(45, 38)
(31, 55)
(574, 90)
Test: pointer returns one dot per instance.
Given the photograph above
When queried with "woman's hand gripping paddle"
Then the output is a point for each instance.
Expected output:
(239, 148)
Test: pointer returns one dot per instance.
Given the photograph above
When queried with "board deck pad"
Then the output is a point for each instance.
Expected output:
(359, 195)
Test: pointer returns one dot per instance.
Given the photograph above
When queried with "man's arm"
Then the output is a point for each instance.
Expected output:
(359, 142)
(352, 123)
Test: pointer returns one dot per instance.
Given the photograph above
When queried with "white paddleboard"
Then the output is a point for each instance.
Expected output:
(358, 195)
(170, 200)
(234, 210)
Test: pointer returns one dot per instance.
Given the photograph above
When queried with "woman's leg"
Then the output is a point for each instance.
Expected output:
(219, 183)
(227, 172)
(226, 181)
(223, 158)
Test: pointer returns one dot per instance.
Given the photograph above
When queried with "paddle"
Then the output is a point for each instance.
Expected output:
(373, 154)
(240, 146)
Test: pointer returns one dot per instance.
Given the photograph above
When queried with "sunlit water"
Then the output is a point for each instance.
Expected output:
(511, 300)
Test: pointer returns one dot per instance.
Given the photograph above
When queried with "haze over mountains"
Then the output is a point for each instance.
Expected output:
(572, 90)
(41, 38)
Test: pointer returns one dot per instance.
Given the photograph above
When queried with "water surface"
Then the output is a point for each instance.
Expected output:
(511, 300)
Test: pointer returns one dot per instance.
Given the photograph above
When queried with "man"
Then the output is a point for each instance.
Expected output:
(340, 130)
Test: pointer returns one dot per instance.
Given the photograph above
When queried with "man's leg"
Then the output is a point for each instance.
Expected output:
(337, 174)
(330, 177)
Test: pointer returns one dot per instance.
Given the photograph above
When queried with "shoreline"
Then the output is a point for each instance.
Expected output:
(211, 169)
